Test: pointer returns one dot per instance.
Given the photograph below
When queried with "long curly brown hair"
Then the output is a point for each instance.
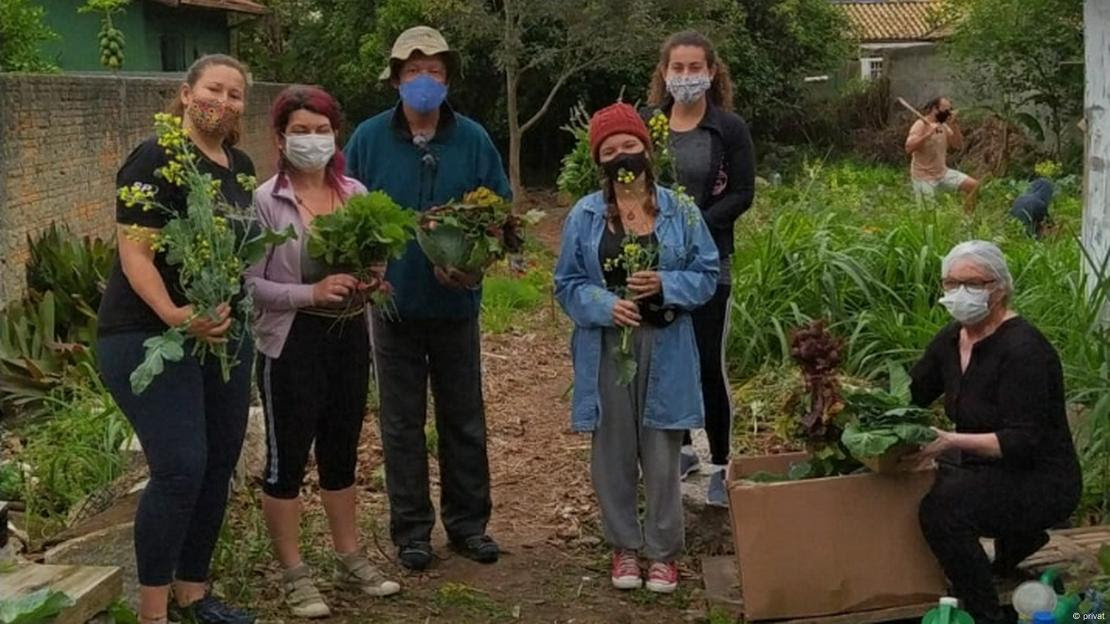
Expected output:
(720, 92)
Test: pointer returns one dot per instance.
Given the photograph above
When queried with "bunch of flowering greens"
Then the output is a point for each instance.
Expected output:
(635, 256)
(212, 243)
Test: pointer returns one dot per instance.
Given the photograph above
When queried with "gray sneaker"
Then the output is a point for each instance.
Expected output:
(301, 595)
(717, 495)
(688, 464)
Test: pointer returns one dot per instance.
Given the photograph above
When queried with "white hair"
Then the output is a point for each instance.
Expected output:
(986, 256)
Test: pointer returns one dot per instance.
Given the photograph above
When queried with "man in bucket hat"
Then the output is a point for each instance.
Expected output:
(423, 154)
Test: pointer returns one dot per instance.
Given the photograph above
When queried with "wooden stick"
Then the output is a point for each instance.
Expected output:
(913, 110)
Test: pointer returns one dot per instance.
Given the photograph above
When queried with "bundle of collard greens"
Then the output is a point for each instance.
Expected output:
(880, 420)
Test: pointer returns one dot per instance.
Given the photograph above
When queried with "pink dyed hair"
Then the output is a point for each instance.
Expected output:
(316, 100)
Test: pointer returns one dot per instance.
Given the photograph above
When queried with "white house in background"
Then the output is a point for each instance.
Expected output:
(899, 41)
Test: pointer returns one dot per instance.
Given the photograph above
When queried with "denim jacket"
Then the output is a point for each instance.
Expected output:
(688, 267)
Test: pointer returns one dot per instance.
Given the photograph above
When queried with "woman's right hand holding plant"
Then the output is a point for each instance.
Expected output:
(626, 313)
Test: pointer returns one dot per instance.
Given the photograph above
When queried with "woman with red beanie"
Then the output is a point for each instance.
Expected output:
(636, 414)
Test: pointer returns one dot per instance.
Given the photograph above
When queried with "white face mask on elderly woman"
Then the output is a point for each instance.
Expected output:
(967, 305)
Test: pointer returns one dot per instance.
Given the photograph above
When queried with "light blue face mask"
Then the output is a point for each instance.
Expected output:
(423, 94)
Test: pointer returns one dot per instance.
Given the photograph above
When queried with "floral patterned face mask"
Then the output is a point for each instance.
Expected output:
(212, 116)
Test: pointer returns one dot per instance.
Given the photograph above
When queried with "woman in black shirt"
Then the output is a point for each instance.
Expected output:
(715, 164)
(190, 422)
(1014, 471)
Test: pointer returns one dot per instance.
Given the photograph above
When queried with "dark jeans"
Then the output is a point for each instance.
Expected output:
(711, 332)
(970, 502)
(191, 425)
(406, 354)
(316, 391)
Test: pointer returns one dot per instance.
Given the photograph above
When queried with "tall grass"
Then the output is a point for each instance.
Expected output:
(848, 243)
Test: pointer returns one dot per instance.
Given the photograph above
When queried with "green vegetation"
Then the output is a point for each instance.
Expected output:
(846, 242)
(22, 31)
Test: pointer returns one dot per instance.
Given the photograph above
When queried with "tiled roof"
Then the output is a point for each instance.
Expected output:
(237, 6)
(893, 20)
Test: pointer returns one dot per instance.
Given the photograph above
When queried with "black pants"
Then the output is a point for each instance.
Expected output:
(406, 354)
(970, 502)
(315, 391)
(711, 332)
(191, 425)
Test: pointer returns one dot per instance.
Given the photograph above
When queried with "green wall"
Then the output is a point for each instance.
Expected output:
(144, 24)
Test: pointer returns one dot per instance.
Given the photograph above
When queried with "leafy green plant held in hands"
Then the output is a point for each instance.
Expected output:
(882, 420)
(367, 231)
(212, 243)
(635, 256)
(472, 234)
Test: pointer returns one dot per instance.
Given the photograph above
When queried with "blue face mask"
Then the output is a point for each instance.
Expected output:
(423, 94)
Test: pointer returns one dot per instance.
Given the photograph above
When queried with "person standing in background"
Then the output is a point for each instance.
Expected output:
(715, 163)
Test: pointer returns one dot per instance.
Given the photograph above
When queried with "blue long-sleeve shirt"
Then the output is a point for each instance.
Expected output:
(458, 159)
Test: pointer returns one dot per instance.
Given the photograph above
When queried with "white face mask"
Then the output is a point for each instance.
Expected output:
(309, 152)
(689, 88)
(969, 306)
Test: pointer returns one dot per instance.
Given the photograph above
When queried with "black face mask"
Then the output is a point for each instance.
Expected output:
(635, 164)
(942, 116)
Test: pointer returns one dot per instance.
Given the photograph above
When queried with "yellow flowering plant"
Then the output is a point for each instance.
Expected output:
(635, 256)
(212, 243)
(580, 175)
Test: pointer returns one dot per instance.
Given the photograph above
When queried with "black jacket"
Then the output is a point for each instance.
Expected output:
(731, 191)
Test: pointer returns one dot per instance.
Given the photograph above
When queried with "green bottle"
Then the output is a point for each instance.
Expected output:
(947, 612)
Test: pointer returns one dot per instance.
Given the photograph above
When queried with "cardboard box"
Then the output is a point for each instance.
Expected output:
(828, 546)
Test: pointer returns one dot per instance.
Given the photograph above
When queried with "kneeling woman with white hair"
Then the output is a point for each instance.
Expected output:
(1010, 470)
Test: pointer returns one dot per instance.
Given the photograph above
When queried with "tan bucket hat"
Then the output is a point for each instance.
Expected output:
(424, 39)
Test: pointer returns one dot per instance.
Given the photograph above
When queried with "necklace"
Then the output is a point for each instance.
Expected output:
(303, 204)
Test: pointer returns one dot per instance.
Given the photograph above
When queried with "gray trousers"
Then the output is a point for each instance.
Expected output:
(623, 448)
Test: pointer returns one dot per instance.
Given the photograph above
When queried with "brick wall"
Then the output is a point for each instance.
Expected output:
(62, 138)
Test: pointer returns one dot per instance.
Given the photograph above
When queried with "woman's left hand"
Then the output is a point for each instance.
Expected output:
(645, 284)
(945, 440)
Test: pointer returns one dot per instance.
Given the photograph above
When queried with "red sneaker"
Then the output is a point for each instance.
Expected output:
(625, 572)
(662, 577)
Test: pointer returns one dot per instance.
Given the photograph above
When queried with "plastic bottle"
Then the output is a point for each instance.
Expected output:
(1032, 597)
(776, 179)
(1044, 594)
(947, 612)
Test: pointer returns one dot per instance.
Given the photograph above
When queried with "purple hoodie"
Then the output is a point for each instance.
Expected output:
(275, 281)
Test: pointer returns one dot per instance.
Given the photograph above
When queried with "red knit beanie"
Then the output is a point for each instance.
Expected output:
(619, 118)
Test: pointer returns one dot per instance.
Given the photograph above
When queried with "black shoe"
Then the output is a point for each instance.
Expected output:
(209, 610)
(415, 555)
(480, 548)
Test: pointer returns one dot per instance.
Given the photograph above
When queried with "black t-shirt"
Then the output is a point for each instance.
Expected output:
(1013, 387)
(651, 308)
(121, 308)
